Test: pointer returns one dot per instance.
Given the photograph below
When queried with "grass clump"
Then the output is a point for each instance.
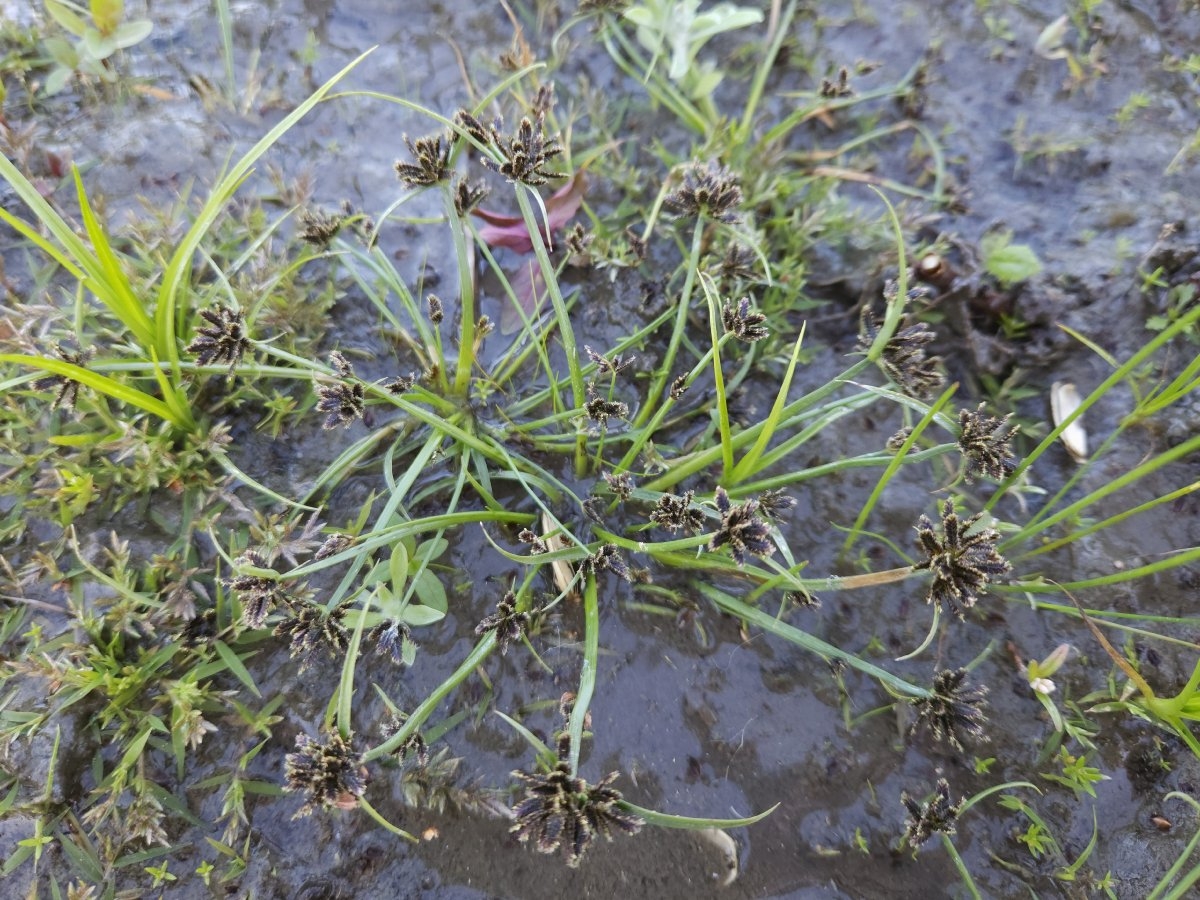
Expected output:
(667, 463)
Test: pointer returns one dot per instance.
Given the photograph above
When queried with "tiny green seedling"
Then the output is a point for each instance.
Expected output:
(98, 31)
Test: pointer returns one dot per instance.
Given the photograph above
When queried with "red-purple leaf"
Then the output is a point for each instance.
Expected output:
(511, 232)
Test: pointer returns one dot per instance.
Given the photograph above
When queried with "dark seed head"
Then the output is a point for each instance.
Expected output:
(962, 564)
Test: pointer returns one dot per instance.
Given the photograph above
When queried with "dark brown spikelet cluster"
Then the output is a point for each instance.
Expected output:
(896, 441)
(710, 190)
(742, 323)
(962, 564)
(775, 504)
(506, 623)
(579, 242)
(391, 637)
(67, 387)
(311, 627)
(431, 160)
(742, 529)
(607, 557)
(562, 810)
(525, 155)
(330, 774)
(401, 383)
(332, 545)
(904, 358)
(621, 485)
(674, 512)
(832, 89)
(258, 594)
(738, 264)
(319, 228)
(222, 340)
(954, 710)
(536, 544)
(606, 365)
(936, 816)
(467, 196)
(475, 129)
(986, 444)
(343, 401)
(600, 410)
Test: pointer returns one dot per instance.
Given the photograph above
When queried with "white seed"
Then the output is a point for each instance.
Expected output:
(1064, 400)
(725, 855)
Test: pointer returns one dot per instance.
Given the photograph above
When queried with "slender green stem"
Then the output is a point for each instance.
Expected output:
(1117, 376)
(466, 291)
(763, 71)
(893, 467)
(865, 461)
(379, 819)
(1109, 487)
(666, 820)
(418, 716)
(681, 312)
(587, 674)
(696, 462)
(565, 331)
(643, 435)
(806, 641)
(723, 425)
(1077, 533)
(961, 866)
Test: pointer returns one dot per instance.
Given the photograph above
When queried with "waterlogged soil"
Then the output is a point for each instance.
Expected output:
(702, 718)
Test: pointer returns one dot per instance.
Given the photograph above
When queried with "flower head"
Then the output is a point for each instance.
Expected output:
(710, 190)
(392, 639)
(774, 504)
(525, 154)
(621, 484)
(986, 444)
(738, 263)
(258, 594)
(467, 196)
(332, 545)
(68, 388)
(607, 557)
(561, 810)
(673, 513)
(431, 155)
(401, 383)
(343, 401)
(903, 357)
(331, 774)
(742, 323)
(936, 816)
(741, 529)
(309, 628)
(506, 623)
(319, 228)
(954, 708)
(606, 365)
(600, 410)
(223, 339)
(962, 564)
